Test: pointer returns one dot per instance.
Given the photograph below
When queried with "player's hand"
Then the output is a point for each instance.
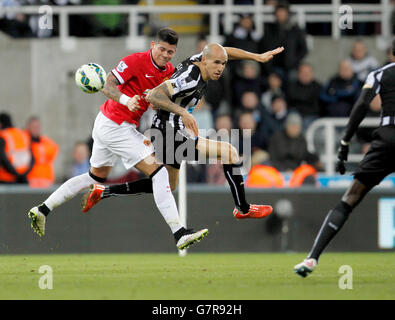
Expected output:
(267, 56)
(190, 123)
(133, 103)
(342, 156)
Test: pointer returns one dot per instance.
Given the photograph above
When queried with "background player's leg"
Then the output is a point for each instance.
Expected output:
(336, 217)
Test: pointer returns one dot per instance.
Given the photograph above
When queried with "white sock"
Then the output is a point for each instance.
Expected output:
(69, 190)
(164, 199)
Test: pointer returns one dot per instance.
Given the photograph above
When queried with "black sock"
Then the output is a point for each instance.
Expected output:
(179, 233)
(44, 209)
(236, 182)
(334, 221)
(135, 187)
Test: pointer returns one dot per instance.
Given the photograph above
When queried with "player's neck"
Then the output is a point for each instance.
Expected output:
(154, 62)
(203, 71)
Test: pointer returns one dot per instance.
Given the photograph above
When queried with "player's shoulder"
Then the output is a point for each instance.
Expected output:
(377, 74)
(136, 58)
(187, 69)
(169, 69)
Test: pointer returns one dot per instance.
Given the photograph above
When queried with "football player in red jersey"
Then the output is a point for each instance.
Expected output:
(185, 90)
(115, 135)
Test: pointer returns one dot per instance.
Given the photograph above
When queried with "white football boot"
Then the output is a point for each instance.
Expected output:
(191, 237)
(38, 221)
(305, 267)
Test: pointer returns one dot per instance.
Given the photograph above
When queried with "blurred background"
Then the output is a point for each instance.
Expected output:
(296, 106)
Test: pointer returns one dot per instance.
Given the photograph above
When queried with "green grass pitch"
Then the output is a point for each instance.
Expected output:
(211, 276)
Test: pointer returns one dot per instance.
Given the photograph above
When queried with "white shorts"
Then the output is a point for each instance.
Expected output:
(111, 140)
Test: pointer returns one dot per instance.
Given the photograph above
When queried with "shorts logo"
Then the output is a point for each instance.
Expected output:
(122, 66)
(147, 143)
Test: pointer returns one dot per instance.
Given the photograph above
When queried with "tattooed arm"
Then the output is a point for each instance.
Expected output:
(110, 90)
(159, 97)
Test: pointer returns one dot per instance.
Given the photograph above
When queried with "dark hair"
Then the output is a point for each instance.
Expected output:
(393, 46)
(167, 35)
(282, 5)
(5, 121)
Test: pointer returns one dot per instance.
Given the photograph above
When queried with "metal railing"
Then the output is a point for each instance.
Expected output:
(303, 13)
(329, 158)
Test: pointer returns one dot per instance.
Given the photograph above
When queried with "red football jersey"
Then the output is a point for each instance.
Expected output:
(135, 73)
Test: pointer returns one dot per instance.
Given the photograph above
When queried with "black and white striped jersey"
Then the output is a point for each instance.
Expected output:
(382, 81)
(188, 88)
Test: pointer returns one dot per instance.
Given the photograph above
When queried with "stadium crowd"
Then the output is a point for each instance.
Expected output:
(277, 101)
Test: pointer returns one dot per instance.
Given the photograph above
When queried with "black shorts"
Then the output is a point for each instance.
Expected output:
(173, 146)
(379, 161)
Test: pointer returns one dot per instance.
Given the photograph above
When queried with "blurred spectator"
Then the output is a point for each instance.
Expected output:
(224, 122)
(341, 91)
(275, 89)
(244, 37)
(44, 151)
(288, 147)
(203, 116)
(201, 43)
(251, 130)
(362, 63)
(390, 56)
(250, 102)
(80, 159)
(14, 24)
(215, 172)
(249, 80)
(16, 160)
(287, 34)
(304, 95)
(273, 120)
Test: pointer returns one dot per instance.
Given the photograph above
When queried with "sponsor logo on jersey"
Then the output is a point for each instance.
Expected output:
(122, 66)
(180, 83)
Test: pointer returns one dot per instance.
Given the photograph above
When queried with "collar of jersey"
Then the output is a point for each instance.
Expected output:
(153, 62)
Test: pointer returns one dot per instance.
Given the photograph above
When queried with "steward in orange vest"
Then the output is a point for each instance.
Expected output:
(44, 152)
(16, 160)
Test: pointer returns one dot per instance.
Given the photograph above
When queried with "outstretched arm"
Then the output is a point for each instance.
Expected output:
(239, 54)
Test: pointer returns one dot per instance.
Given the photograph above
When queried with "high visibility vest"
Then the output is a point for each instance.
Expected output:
(17, 149)
(300, 174)
(43, 173)
(262, 176)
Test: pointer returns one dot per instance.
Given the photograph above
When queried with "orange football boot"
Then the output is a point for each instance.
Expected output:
(92, 197)
(256, 212)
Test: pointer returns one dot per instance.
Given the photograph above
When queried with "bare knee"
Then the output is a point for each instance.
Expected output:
(355, 193)
(173, 185)
(234, 155)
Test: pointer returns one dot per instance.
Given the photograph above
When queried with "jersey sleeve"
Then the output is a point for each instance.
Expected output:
(184, 80)
(372, 82)
(125, 69)
(370, 89)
